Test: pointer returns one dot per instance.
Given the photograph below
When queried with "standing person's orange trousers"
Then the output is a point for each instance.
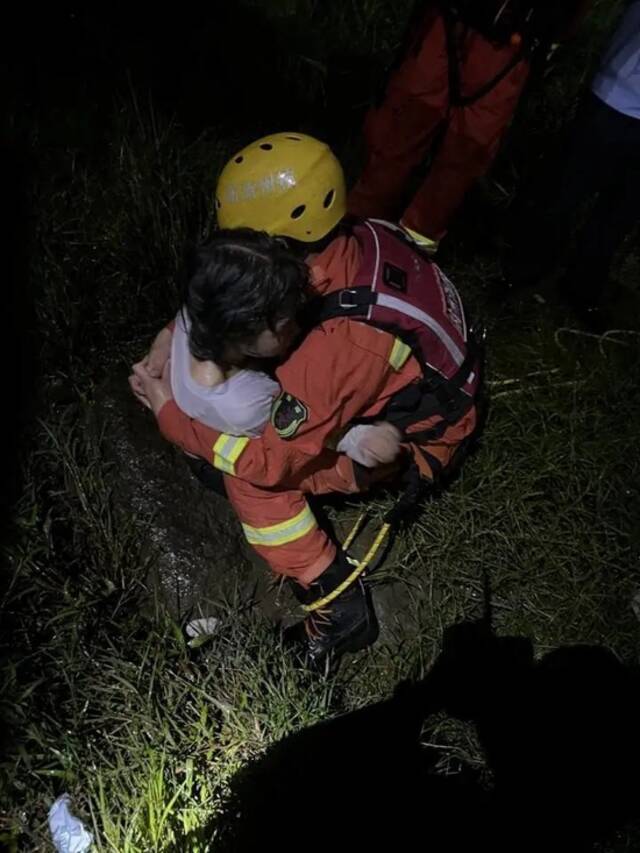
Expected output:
(417, 109)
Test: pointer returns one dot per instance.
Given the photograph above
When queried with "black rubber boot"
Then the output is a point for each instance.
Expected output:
(346, 624)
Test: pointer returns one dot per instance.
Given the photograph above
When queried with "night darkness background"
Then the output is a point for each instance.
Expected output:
(117, 121)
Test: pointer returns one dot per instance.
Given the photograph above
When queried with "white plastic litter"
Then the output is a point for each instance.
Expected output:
(68, 832)
(202, 627)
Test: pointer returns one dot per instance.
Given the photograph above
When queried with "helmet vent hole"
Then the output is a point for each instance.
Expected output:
(238, 160)
(295, 138)
(266, 146)
(218, 204)
(297, 212)
(328, 199)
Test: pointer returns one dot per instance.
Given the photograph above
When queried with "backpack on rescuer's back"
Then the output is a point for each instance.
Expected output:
(399, 289)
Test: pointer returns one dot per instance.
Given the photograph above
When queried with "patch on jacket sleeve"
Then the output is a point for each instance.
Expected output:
(288, 414)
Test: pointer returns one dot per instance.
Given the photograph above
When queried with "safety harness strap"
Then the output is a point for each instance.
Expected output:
(434, 395)
(456, 98)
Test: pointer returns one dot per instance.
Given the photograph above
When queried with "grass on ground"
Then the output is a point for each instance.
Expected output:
(100, 694)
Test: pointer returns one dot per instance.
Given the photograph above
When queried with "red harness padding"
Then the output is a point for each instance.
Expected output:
(399, 289)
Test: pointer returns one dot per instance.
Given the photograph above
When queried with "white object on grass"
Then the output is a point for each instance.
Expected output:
(67, 831)
(202, 627)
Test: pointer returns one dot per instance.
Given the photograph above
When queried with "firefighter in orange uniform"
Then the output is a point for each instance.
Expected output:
(389, 350)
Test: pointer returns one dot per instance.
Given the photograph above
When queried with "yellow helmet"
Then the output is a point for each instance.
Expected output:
(286, 184)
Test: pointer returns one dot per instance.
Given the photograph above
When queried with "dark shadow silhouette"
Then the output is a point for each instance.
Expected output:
(560, 736)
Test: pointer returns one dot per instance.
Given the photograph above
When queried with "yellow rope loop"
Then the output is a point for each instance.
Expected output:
(371, 553)
(355, 574)
(354, 531)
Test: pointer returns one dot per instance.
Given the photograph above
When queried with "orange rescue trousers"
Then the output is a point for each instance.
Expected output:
(417, 110)
(280, 525)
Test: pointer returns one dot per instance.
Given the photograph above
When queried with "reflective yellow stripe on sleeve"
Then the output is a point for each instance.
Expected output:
(226, 452)
(282, 533)
(400, 352)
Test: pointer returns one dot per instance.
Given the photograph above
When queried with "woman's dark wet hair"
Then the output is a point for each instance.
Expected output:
(240, 283)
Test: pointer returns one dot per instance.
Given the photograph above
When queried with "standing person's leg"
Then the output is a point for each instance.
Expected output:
(588, 165)
(399, 132)
(613, 216)
(473, 136)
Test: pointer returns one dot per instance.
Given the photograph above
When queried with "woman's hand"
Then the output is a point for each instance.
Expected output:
(152, 392)
(157, 357)
(137, 387)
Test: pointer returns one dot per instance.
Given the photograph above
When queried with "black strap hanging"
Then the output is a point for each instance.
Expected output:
(456, 98)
